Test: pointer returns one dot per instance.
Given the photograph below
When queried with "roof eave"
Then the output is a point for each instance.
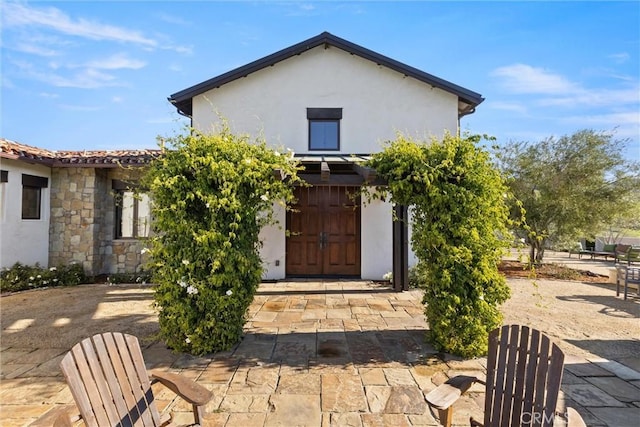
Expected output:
(26, 159)
(183, 100)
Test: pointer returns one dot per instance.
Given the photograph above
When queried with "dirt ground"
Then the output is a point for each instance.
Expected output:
(584, 316)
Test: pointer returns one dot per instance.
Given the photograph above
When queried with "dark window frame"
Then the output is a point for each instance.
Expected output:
(32, 186)
(324, 115)
(119, 189)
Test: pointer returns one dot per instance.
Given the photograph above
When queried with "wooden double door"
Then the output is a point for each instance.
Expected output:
(324, 237)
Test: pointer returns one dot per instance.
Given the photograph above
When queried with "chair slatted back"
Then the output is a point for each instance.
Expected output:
(109, 381)
(524, 371)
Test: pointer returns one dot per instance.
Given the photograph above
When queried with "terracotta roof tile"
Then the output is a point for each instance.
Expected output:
(14, 150)
(96, 158)
(88, 158)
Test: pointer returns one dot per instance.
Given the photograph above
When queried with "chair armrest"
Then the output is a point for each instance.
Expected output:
(183, 387)
(446, 394)
(574, 419)
(56, 417)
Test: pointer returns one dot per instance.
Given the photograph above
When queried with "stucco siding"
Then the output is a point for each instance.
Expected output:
(376, 240)
(273, 250)
(377, 102)
(23, 240)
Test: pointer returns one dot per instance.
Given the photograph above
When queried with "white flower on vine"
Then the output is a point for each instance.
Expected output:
(187, 340)
(264, 197)
(52, 269)
(192, 290)
(229, 292)
(144, 251)
(185, 261)
(182, 284)
(207, 205)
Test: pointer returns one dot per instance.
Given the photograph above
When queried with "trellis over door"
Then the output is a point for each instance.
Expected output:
(324, 230)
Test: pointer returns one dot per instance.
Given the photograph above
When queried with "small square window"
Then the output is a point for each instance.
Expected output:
(324, 128)
(324, 134)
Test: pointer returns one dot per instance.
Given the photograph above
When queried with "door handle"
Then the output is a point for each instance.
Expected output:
(323, 240)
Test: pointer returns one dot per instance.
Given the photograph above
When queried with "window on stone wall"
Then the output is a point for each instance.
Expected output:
(32, 195)
(132, 212)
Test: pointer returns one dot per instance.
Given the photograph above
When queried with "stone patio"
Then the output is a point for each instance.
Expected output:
(336, 353)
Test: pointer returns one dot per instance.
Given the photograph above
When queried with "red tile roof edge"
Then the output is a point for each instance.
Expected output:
(86, 158)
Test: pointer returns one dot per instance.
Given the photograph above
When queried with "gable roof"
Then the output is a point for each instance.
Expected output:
(87, 158)
(467, 99)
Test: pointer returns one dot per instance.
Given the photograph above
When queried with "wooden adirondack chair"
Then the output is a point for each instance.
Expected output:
(111, 387)
(524, 371)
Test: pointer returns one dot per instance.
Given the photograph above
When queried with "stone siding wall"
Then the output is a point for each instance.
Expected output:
(83, 221)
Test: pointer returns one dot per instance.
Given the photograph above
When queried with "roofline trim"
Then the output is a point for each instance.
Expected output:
(183, 100)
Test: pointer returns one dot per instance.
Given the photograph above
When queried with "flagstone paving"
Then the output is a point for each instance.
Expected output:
(322, 354)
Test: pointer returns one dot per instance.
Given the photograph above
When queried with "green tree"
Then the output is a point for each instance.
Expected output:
(211, 195)
(570, 187)
(459, 220)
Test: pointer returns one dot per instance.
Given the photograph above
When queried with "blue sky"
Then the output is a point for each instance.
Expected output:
(96, 75)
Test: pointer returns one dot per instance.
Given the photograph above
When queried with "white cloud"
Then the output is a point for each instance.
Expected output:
(620, 58)
(116, 62)
(117, 99)
(18, 15)
(300, 9)
(172, 19)
(186, 50)
(34, 50)
(525, 79)
(49, 95)
(607, 119)
(558, 91)
(84, 79)
(595, 98)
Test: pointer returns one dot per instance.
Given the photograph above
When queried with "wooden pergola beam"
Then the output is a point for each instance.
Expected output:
(368, 174)
(325, 172)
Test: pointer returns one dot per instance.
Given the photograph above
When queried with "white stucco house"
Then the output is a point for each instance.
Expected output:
(330, 101)
(62, 207)
(333, 103)
(24, 212)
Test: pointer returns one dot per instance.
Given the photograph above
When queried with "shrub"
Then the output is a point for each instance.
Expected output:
(458, 215)
(211, 196)
(141, 277)
(21, 277)
(415, 279)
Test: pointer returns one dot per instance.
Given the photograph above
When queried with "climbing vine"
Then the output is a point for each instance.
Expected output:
(459, 224)
(211, 196)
